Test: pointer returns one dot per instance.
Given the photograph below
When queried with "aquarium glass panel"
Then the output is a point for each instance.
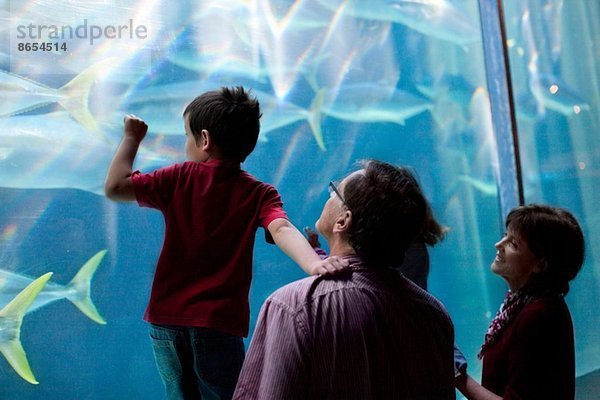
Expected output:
(555, 65)
(338, 81)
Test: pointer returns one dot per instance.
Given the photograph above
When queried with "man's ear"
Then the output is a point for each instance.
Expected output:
(343, 222)
(205, 140)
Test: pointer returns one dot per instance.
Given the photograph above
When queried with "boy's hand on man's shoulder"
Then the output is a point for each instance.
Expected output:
(135, 127)
(329, 266)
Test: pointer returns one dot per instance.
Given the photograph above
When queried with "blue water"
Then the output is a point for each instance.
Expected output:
(410, 90)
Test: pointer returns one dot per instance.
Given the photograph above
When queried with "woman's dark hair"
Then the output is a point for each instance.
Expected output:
(554, 235)
(389, 212)
(231, 117)
(432, 232)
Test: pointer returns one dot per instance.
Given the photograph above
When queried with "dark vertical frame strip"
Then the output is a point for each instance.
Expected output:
(509, 179)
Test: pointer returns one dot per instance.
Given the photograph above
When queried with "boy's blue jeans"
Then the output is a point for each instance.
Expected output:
(197, 363)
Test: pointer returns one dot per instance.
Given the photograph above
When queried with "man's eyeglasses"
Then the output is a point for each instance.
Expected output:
(333, 189)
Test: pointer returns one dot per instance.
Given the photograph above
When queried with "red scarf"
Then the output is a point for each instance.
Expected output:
(512, 305)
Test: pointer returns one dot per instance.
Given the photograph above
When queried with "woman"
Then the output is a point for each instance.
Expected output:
(528, 351)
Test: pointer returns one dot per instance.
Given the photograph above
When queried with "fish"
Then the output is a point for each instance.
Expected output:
(449, 86)
(220, 48)
(50, 151)
(162, 106)
(237, 62)
(451, 96)
(287, 49)
(11, 319)
(231, 47)
(553, 19)
(346, 54)
(21, 95)
(553, 93)
(434, 18)
(486, 188)
(549, 90)
(481, 124)
(368, 102)
(77, 291)
(278, 113)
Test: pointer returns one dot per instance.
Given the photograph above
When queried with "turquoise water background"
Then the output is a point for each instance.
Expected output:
(338, 81)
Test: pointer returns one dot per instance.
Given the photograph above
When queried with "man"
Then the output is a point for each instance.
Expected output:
(368, 332)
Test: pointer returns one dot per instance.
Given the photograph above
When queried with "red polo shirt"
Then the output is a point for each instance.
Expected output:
(212, 211)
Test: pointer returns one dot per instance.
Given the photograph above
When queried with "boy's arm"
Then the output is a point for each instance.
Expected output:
(118, 185)
(292, 243)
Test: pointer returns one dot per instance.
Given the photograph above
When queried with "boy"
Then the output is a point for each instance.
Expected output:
(198, 308)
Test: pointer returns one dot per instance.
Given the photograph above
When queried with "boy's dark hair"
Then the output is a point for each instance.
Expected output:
(231, 117)
(389, 212)
(554, 235)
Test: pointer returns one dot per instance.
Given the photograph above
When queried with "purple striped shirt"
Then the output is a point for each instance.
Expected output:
(361, 334)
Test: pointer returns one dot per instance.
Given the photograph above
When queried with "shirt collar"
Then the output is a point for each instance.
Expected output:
(223, 163)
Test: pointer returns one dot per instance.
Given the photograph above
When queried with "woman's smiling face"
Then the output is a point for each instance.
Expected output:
(514, 261)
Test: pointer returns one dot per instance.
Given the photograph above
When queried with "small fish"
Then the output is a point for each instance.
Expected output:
(11, 318)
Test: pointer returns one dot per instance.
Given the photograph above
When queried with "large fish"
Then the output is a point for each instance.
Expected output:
(49, 151)
(11, 318)
(367, 102)
(161, 106)
(288, 45)
(346, 55)
(20, 95)
(279, 113)
(77, 291)
(435, 18)
(20, 295)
